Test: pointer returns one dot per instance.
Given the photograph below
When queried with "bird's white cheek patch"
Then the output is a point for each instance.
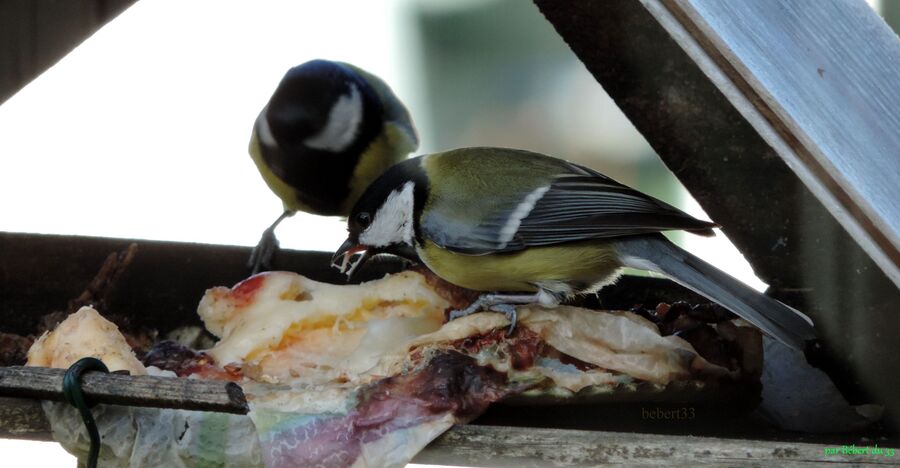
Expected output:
(393, 222)
(343, 123)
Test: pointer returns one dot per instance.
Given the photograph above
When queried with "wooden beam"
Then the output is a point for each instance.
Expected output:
(820, 91)
(495, 446)
(679, 98)
(43, 383)
(491, 446)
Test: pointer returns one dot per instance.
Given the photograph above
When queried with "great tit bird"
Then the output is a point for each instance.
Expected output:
(529, 228)
(327, 132)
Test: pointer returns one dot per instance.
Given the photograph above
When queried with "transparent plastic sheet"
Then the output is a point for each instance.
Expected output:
(268, 436)
(286, 427)
(152, 438)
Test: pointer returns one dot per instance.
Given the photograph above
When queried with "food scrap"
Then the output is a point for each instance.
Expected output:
(363, 375)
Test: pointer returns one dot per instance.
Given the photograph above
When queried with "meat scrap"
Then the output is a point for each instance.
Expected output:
(372, 372)
(183, 361)
(520, 349)
(14, 349)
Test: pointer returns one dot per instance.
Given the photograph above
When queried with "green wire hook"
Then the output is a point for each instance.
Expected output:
(75, 396)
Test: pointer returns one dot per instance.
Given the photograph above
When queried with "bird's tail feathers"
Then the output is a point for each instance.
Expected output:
(657, 254)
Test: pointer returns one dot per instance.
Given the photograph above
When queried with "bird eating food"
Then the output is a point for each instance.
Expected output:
(327, 132)
(523, 228)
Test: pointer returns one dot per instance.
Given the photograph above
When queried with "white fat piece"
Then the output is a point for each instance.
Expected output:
(508, 231)
(343, 123)
(393, 222)
(263, 131)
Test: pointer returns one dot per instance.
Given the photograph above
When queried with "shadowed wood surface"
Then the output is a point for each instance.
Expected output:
(164, 282)
(132, 390)
(682, 103)
(497, 446)
(161, 288)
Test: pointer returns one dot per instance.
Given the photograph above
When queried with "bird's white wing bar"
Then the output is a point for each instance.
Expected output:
(515, 218)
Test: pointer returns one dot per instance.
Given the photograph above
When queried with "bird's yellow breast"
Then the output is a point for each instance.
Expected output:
(282, 189)
(586, 263)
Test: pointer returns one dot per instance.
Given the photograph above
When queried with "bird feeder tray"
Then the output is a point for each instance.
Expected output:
(158, 290)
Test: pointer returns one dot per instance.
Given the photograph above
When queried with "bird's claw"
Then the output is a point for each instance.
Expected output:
(506, 309)
(262, 254)
(455, 314)
(510, 312)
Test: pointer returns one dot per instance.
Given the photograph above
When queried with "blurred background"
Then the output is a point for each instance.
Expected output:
(142, 130)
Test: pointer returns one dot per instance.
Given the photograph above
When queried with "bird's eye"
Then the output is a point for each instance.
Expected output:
(363, 219)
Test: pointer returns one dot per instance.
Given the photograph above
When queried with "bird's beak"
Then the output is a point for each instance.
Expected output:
(350, 256)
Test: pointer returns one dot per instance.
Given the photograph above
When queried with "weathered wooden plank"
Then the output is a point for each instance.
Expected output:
(43, 383)
(23, 418)
(793, 46)
(827, 89)
(684, 104)
(496, 446)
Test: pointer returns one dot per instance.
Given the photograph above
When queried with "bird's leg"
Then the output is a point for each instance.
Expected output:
(261, 257)
(502, 303)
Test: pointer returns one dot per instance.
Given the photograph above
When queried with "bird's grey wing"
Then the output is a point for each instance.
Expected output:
(576, 205)
(657, 254)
